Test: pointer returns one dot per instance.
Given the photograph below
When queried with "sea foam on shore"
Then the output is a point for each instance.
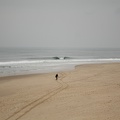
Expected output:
(29, 61)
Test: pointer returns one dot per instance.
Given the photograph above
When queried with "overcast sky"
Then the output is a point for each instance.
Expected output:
(60, 23)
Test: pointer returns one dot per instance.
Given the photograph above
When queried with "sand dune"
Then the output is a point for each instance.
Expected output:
(90, 92)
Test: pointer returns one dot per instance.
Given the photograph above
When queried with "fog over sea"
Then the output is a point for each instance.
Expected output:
(20, 61)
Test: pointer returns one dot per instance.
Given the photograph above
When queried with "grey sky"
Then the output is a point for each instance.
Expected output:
(60, 23)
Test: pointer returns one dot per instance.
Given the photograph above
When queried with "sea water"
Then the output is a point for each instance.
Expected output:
(19, 61)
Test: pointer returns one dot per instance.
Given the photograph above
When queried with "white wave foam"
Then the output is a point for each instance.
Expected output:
(42, 66)
(59, 61)
(19, 62)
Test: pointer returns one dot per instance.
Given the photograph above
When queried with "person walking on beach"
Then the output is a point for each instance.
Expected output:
(56, 76)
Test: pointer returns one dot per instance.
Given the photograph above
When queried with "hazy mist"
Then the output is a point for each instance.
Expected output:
(60, 23)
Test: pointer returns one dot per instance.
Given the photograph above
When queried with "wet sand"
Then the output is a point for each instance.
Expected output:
(90, 92)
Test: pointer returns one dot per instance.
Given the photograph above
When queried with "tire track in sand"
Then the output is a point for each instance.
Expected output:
(20, 113)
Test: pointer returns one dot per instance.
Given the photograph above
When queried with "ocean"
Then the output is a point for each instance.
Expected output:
(20, 61)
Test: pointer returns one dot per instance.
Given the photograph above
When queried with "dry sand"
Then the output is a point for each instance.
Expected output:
(90, 92)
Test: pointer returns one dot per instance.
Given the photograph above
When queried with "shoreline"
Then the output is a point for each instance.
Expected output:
(90, 91)
(14, 77)
(57, 71)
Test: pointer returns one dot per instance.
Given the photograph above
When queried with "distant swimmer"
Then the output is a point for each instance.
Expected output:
(56, 76)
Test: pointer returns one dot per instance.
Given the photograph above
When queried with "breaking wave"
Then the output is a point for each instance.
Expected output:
(50, 58)
(56, 60)
(38, 65)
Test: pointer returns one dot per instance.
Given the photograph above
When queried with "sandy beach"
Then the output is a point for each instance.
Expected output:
(90, 92)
